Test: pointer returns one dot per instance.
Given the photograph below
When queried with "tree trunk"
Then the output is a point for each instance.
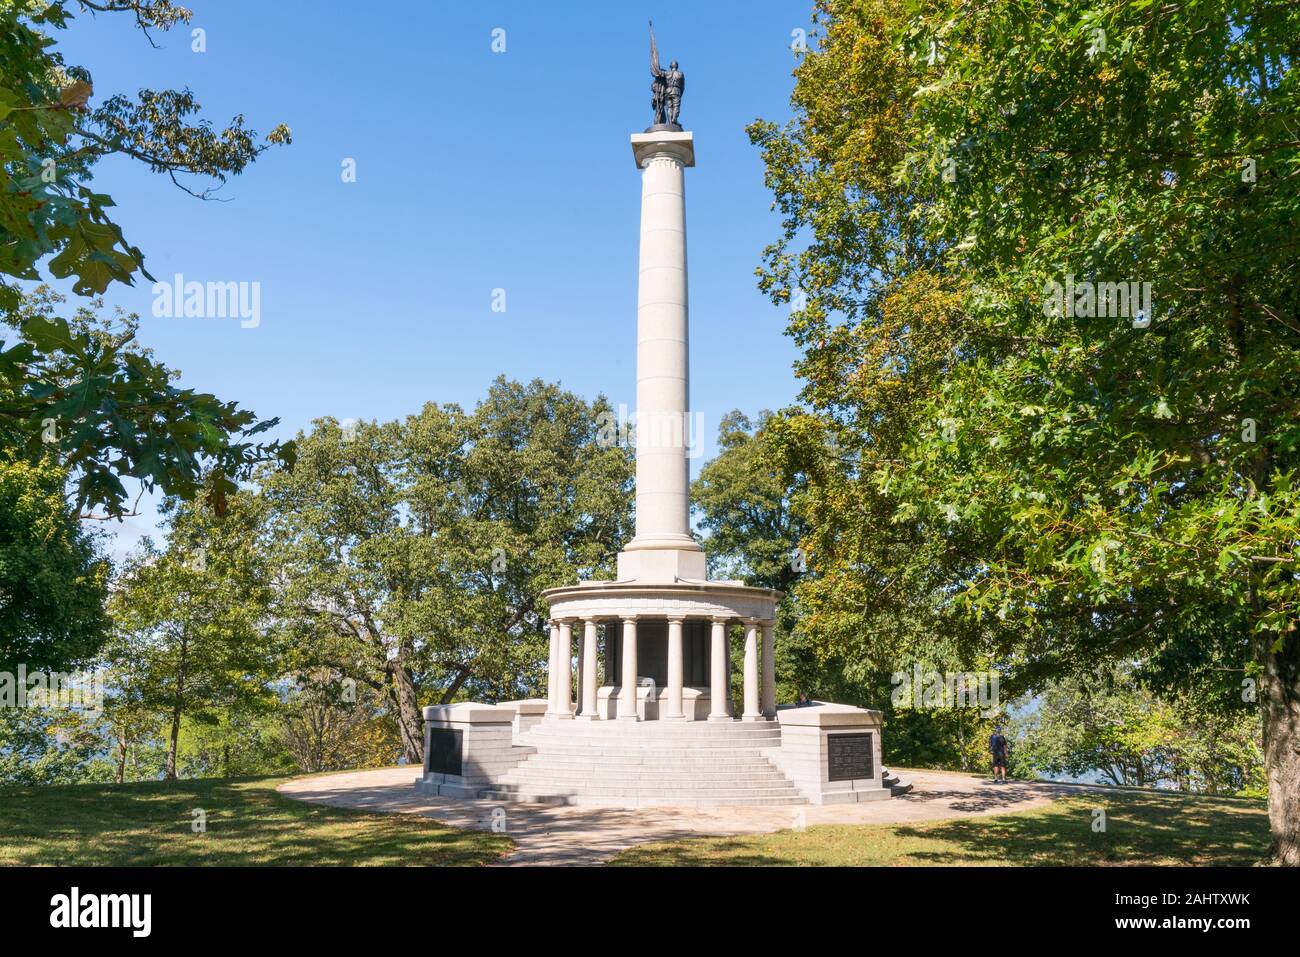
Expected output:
(121, 759)
(1279, 701)
(410, 722)
(450, 691)
(170, 773)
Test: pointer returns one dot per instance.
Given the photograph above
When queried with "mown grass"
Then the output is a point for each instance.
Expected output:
(248, 823)
(1140, 828)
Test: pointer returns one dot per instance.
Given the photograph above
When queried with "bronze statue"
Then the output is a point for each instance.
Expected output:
(665, 89)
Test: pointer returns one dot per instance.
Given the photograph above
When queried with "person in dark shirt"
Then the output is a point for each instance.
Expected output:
(802, 701)
(998, 748)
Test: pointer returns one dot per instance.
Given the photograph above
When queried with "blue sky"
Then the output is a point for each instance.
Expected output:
(475, 171)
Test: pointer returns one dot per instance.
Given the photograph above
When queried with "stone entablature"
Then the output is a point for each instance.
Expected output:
(612, 600)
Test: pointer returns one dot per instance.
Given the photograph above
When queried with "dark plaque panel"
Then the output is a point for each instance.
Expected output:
(850, 756)
(444, 751)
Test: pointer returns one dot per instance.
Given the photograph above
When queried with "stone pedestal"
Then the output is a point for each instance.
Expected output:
(528, 712)
(831, 752)
(467, 748)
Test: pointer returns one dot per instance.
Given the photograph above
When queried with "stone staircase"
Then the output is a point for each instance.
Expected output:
(897, 786)
(625, 764)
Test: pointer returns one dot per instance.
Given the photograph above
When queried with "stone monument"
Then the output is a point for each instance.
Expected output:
(652, 720)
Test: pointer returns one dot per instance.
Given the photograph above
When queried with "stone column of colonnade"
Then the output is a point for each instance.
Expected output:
(752, 710)
(551, 683)
(564, 670)
(769, 669)
(759, 674)
(718, 671)
(588, 676)
(627, 710)
(672, 710)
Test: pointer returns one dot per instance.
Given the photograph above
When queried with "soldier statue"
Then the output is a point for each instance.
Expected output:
(665, 89)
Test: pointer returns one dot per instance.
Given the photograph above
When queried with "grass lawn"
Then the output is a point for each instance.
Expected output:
(149, 825)
(1141, 828)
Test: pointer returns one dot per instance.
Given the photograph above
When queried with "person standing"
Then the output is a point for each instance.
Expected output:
(998, 748)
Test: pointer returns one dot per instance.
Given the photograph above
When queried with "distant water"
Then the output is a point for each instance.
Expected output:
(1090, 777)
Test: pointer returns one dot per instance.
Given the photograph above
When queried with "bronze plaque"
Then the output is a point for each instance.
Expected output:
(850, 757)
(443, 754)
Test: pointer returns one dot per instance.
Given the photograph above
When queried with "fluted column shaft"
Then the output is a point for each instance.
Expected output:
(673, 711)
(718, 672)
(589, 670)
(769, 669)
(551, 669)
(564, 671)
(752, 711)
(627, 710)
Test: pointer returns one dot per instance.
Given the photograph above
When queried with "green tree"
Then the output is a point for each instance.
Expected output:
(52, 581)
(410, 555)
(1109, 724)
(1071, 484)
(743, 501)
(328, 723)
(44, 746)
(83, 390)
(192, 641)
(109, 409)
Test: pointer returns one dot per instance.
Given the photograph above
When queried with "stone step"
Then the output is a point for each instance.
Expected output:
(581, 780)
(642, 766)
(577, 800)
(529, 787)
(762, 739)
(612, 750)
(650, 728)
(642, 770)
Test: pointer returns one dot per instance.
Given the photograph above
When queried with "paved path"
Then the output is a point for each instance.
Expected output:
(592, 835)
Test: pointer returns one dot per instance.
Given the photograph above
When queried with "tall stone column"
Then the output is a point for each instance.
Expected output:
(564, 671)
(627, 693)
(769, 669)
(588, 671)
(675, 668)
(662, 549)
(752, 712)
(718, 672)
(551, 670)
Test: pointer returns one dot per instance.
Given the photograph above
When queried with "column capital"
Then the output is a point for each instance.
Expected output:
(678, 146)
(676, 619)
(628, 618)
(720, 619)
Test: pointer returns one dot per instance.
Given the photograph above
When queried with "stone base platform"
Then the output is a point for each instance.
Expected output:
(822, 754)
(643, 764)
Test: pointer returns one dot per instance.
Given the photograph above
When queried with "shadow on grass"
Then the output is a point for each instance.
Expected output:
(245, 823)
(1140, 828)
